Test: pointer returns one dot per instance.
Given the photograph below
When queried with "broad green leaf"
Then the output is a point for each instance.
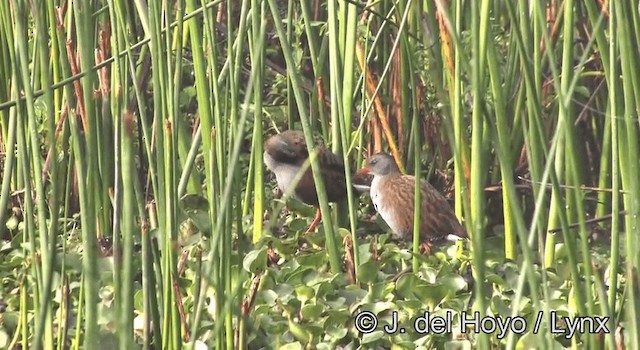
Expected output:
(255, 261)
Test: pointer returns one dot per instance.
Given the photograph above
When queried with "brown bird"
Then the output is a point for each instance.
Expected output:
(393, 196)
(285, 153)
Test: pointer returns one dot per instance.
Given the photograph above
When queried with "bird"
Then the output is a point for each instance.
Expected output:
(284, 155)
(392, 195)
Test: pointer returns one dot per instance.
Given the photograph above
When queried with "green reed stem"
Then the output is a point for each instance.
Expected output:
(332, 249)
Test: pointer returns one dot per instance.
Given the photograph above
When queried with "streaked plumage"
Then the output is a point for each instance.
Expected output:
(393, 197)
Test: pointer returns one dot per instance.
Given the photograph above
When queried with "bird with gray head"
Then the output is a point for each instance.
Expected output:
(393, 196)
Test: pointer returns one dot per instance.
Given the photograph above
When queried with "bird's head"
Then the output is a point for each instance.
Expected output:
(287, 147)
(380, 164)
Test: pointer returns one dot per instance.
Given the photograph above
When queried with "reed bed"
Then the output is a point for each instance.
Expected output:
(136, 211)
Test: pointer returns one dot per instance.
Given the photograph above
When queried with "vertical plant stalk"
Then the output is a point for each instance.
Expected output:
(461, 159)
(629, 168)
(613, 83)
(166, 130)
(88, 181)
(342, 98)
(478, 29)
(9, 167)
(506, 160)
(535, 138)
(129, 230)
(171, 325)
(417, 204)
(8, 132)
(223, 208)
(208, 111)
(29, 239)
(332, 249)
(566, 119)
(237, 52)
(258, 27)
(533, 74)
(43, 307)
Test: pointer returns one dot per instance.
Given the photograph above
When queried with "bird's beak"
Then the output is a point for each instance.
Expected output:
(360, 180)
(363, 171)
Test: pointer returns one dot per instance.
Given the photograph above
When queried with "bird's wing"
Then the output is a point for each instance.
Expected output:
(332, 169)
(330, 160)
(440, 220)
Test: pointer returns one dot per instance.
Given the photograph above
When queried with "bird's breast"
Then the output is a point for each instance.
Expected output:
(374, 192)
(271, 163)
(382, 202)
(285, 173)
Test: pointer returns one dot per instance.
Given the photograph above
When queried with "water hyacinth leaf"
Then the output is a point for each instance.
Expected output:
(352, 293)
(525, 305)
(323, 289)
(365, 252)
(336, 333)
(343, 232)
(368, 272)
(559, 306)
(372, 337)
(454, 283)
(286, 247)
(298, 207)
(411, 306)
(299, 331)
(255, 261)
(196, 208)
(402, 344)
(499, 306)
(311, 312)
(431, 295)
(393, 252)
(314, 276)
(298, 274)
(297, 225)
(315, 238)
(314, 260)
(284, 291)
(264, 308)
(304, 293)
(292, 346)
(336, 318)
(405, 285)
(458, 345)
(379, 291)
(314, 330)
